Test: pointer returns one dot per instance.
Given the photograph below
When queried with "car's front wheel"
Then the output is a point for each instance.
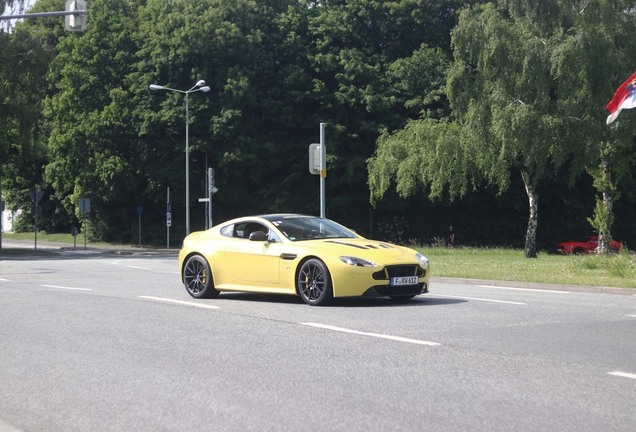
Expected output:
(197, 278)
(314, 283)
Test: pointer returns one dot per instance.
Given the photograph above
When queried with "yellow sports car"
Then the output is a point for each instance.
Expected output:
(308, 256)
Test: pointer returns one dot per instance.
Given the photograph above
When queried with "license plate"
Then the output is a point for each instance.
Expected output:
(404, 280)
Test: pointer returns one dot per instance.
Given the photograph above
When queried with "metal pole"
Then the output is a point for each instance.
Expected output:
(44, 14)
(323, 169)
(187, 155)
(210, 197)
(85, 228)
(1, 212)
(167, 226)
(207, 191)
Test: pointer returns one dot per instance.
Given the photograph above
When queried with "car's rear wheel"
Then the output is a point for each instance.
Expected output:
(314, 283)
(197, 278)
(578, 251)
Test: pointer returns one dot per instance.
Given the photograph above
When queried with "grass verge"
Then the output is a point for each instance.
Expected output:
(614, 270)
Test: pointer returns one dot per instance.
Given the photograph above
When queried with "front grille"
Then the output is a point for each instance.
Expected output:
(398, 271)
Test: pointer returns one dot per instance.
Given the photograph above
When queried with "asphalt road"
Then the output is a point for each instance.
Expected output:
(100, 342)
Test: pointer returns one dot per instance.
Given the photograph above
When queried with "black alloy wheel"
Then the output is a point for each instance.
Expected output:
(314, 283)
(197, 278)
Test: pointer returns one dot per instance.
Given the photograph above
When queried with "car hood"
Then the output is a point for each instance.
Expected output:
(362, 248)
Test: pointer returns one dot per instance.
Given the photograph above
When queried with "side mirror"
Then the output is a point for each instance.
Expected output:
(258, 236)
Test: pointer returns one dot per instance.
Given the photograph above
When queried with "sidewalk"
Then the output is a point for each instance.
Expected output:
(537, 286)
(52, 247)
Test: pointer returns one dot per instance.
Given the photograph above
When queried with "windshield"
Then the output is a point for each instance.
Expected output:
(298, 228)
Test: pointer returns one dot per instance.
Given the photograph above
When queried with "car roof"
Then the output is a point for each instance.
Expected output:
(277, 216)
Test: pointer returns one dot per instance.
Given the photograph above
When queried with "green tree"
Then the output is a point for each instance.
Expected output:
(24, 58)
(90, 134)
(524, 89)
(595, 57)
(375, 64)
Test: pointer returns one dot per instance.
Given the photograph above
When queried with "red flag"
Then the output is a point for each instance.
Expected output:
(624, 98)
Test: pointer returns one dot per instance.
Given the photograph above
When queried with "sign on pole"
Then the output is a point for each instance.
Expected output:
(314, 159)
(85, 205)
(75, 22)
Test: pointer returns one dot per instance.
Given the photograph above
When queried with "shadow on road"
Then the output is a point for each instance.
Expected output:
(348, 302)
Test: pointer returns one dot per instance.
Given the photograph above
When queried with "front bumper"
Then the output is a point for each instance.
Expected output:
(389, 291)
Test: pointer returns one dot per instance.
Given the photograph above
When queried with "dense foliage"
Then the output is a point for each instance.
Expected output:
(413, 79)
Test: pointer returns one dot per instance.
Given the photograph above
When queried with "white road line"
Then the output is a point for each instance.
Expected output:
(524, 289)
(383, 336)
(201, 305)
(633, 316)
(140, 268)
(480, 299)
(4, 280)
(67, 288)
(623, 374)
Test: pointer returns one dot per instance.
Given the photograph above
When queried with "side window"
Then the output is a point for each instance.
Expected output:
(239, 230)
(243, 230)
(227, 231)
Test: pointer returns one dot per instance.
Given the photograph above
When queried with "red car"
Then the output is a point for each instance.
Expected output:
(586, 245)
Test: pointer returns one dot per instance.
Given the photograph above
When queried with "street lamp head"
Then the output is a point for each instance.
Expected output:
(205, 89)
(200, 83)
(155, 87)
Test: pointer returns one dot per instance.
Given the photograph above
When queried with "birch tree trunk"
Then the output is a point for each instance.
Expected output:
(606, 218)
(530, 250)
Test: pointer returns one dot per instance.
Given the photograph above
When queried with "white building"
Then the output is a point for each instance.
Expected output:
(8, 217)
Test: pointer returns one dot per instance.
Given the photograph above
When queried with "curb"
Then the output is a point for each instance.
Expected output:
(538, 286)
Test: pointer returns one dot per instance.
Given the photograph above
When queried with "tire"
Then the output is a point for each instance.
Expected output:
(314, 283)
(578, 251)
(197, 278)
(402, 298)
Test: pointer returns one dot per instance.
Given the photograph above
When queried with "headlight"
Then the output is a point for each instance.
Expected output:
(421, 258)
(359, 262)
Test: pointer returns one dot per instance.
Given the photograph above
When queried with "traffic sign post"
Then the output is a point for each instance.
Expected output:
(75, 14)
(140, 210)
(211, 191)
(36, 196)
(74, 232)
(168, 217)
(85, 207)
(318, 165)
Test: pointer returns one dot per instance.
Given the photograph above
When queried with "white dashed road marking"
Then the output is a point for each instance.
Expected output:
(140, 268)
(623, 374)
(201, 305)
(66, 288)
(524, 289)
(377, 335)
(480, 299)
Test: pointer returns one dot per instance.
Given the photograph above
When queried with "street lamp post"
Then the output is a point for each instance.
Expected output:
(199, 86)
